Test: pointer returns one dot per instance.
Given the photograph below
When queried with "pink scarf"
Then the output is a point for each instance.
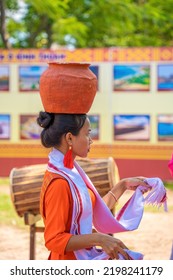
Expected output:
(83, 219)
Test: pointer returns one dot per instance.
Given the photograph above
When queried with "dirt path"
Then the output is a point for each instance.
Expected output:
(153, 238)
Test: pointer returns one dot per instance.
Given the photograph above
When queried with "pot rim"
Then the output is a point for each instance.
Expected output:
(69, 63)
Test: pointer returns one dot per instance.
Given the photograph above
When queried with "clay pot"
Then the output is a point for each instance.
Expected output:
(68, 88)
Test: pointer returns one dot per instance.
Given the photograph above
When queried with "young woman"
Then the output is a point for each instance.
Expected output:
(70, 204)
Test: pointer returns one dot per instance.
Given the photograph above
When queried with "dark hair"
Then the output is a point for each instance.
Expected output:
(56, 125)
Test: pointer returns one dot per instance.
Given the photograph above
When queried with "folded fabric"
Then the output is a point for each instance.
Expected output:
(157, 195)
(131, 213)
(132, 255)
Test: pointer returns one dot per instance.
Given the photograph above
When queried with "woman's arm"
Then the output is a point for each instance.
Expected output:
(112, 246)
(116, 192)
(58, 211)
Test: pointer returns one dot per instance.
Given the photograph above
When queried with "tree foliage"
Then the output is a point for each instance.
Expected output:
(86, 23)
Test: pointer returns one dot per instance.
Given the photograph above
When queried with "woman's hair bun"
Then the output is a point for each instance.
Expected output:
(45, 119)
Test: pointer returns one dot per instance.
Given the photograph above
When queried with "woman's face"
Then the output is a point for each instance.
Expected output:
(81, 143)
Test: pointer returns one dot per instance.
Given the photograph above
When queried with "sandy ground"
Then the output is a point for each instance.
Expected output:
(153, 238)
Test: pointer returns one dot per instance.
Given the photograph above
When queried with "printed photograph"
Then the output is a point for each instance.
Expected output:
(165, 77)
(4, 126)
(95, 70)
(94, 120)
(29, 77)
(165, 127)
(4, 78)
(132, 127)
(131, 77)
(29, 129)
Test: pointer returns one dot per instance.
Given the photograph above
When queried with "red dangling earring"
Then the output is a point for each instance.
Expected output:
(68, 159)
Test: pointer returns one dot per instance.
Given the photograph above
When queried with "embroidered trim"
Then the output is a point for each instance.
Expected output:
(78, 197)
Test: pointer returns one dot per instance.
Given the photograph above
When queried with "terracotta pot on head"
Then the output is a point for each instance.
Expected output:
(68, 88)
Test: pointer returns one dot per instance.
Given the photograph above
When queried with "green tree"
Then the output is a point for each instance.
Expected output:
(89, 23)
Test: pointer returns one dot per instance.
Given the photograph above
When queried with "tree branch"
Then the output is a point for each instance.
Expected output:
(3, 31)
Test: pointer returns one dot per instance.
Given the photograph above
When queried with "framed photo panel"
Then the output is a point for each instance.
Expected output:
(131, 77)
(4, 126)
(95, 70)
(29, 77)
(29, 129)
(94, 120)
(165, 127)
(4, 78)
(165, 77)
(131, 127)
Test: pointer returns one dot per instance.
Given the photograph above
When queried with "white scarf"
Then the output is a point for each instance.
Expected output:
(83, 219)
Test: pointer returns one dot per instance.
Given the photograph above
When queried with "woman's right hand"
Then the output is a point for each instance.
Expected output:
(112, 246)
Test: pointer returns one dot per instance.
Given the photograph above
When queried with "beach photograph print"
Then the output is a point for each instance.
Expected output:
(94, 121)
(4, 126)
(131, 77)
(165, 127)
(165, 77)
(131, 127)
(4, 78)
(29, 129)
(29, 77)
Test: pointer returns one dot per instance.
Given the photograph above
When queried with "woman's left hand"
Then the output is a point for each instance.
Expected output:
(131, 183)
(134, 182)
